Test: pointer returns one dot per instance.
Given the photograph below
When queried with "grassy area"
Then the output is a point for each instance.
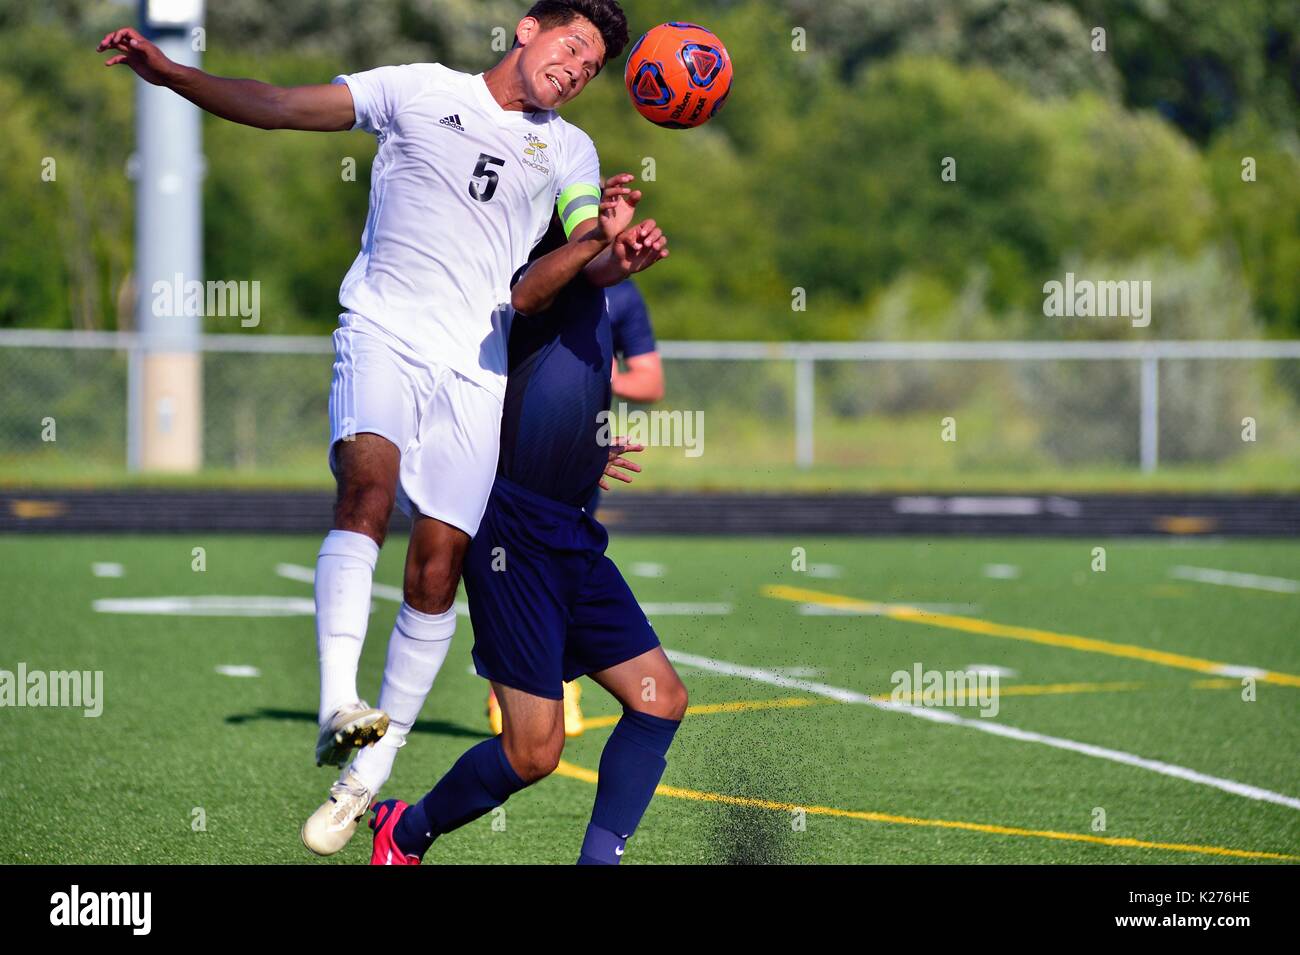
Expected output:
(177, 737)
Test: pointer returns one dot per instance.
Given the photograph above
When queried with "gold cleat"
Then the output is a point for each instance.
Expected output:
(350, 727)
(573, 724)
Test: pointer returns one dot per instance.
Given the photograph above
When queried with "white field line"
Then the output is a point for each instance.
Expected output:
(987, 726)
(991, 668)
(209, 606)
(1229, 578)
(848, 606)
(238, 670)
(107, 569)
(797, 671)
(307, 575)
(1001, 571)
(825, 571)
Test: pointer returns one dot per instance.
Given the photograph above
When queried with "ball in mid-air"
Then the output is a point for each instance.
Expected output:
(678, 75)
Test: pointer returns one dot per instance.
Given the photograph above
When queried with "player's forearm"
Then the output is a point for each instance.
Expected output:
(250, 102)
(263, 105)
(640, 385)
(604, 271)
(548, 275)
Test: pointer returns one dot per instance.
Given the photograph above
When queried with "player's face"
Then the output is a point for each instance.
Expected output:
(558, 63)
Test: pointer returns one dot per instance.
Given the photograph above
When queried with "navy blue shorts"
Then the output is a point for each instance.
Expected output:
(546, 604)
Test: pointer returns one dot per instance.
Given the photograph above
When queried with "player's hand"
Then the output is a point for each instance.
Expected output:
(638, 248)
(149, 62)
(617, 206)
(620, 447)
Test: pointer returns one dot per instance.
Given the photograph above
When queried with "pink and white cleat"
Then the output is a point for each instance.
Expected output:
(386, 851)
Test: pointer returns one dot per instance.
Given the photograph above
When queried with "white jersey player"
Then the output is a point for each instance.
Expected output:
(468, 171)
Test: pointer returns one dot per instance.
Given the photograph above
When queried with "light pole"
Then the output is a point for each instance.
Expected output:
(165, 430)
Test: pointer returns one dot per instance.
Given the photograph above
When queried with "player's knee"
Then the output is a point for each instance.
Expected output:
(537, 761)
(674, 701)
(430, 585)
(365, 509)
(668, 701)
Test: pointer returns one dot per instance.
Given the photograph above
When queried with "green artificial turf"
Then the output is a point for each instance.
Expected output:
(178, 742)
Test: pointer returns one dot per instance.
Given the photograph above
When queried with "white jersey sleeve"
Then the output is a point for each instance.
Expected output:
(577, 182)
(378, 95)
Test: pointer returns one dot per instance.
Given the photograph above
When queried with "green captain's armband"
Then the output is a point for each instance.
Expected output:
(577, 204)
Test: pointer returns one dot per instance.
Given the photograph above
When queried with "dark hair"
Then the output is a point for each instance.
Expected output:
(606, 15)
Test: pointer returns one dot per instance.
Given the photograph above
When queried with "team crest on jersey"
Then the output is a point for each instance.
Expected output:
(535, 154)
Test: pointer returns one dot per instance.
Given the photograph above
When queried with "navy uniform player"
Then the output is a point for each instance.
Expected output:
(642, 381)
(546, 603)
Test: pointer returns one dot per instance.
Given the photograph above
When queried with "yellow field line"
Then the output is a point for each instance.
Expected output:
(736, 706)
(1027, 689)
(990, 629)
(673, 792)
(1216, 684)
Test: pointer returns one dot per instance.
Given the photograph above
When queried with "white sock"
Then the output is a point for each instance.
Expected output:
(416, 649)
(345, 570)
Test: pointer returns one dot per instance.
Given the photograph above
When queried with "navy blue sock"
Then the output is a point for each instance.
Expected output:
(630, 768)
(481, 780)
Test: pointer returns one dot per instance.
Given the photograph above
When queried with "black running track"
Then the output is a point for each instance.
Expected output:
(308, 512)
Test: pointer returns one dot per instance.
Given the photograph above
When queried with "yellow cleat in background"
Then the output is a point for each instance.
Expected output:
(493, 714)
(573, 723)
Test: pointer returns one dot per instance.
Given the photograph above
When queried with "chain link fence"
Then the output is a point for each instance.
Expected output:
(921, 409)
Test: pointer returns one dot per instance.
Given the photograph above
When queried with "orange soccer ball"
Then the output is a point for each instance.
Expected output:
(678, 75)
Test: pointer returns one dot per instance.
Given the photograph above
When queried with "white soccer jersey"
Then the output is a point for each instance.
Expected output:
(460, 192)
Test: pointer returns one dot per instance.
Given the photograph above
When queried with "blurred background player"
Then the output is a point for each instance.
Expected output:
(641, 379)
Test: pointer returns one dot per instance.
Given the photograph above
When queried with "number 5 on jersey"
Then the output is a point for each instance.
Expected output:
(483, 191)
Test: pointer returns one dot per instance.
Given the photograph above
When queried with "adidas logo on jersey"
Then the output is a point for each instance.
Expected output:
(452, 122)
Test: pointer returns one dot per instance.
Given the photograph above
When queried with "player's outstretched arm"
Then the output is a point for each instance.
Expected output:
(323, 108)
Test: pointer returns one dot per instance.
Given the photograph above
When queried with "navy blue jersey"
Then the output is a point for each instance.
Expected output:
(558, 384)
(629, 320)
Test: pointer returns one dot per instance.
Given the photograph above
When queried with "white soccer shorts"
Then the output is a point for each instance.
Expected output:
(447, 428)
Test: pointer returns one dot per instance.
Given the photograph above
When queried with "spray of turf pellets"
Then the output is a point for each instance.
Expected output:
(752, 766)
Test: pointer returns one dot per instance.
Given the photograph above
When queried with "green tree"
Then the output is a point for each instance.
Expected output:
(865, 193)
(1202, 63)
(71, 234)
(1124, 183)
(1261, 215)
(1043, 47)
